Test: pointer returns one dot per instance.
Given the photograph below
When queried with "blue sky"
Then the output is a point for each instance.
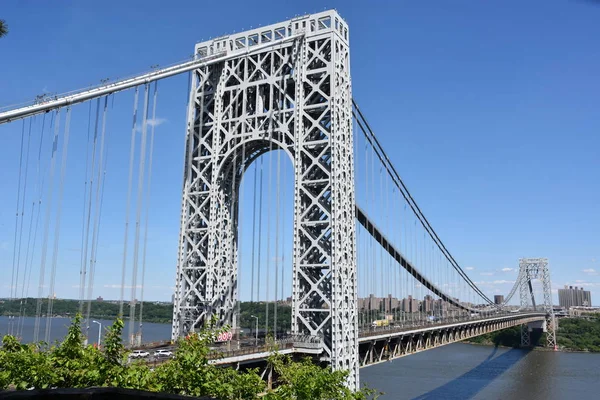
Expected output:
(489, 110)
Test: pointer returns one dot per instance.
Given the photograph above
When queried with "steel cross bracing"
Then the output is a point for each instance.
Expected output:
(294, 96)
(529, 269)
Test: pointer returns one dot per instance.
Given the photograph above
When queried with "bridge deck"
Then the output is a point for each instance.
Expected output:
(384, 344)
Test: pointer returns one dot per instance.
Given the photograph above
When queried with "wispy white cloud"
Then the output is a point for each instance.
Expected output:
(470, 268)
(507, 269)
(590, 271)
(119, 286)
(586, 284)
(496, 282)
(151, 122)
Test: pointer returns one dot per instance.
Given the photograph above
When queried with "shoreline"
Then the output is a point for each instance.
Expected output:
(536, 348)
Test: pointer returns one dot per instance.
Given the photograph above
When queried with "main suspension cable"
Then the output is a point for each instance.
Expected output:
(400, 184)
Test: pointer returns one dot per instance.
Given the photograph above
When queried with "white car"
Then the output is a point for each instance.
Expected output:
(139, 354)
(163, 353)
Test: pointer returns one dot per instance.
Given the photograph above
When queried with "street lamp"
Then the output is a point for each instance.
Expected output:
(99, 331)
(256, 331)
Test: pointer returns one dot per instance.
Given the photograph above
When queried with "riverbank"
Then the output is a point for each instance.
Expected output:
(574, 335)
(155, 312)
(535, 348)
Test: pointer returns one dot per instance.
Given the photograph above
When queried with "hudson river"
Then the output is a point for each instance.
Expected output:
(456, 371)
(463, 371)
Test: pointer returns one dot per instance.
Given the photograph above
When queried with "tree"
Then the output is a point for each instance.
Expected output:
(306, 380)
(71, 364)
(3, 28)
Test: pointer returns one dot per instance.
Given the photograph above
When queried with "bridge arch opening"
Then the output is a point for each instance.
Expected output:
(265, 243)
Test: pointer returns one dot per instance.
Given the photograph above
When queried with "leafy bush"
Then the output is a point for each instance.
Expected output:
(71, 364)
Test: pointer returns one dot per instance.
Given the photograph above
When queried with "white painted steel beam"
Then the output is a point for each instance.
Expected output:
(65, 100)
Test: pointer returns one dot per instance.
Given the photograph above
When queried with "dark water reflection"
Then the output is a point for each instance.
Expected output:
(462, 371)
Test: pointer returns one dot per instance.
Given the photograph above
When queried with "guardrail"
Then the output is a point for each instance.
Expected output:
(408, 327)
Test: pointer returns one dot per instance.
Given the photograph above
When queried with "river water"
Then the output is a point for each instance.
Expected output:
(456, 371)
(463, 371)
(151, 332)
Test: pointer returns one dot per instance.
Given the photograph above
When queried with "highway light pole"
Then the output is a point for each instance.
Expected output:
(99, 331)
(255, 331)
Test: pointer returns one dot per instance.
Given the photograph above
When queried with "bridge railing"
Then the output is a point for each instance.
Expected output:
(424, 324)
(289, 342)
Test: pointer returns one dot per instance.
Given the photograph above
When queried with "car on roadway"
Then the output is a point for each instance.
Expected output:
(163, 353)
(139, 354)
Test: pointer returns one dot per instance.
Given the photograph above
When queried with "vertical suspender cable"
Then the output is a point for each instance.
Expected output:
(82, 268)
(253, 235)
(27, 272)
(40, 191)
(88, 221)
(97, 211)
(232, 252)
(278, 189)
(259, 260)
(238, 284)
(128, 203)
(140, 192)
(18, 269)
(269, 228)
(89, 210)
(283, 233)
(146, 218)
(63, 170)
(36, 330)
(14, 265)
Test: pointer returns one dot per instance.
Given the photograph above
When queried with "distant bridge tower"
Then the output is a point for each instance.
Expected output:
(286, 86)
(529, 269)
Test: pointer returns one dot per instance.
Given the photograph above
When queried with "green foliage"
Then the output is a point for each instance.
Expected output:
(579, 334)
(3, 28)
(71, 364)
(284, 315)
(24, 366)
(306, 380)
(573, 334)
(71, 360)
(509, 337)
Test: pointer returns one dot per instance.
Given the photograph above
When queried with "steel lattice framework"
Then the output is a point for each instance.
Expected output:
(529, 269)
(294, 96)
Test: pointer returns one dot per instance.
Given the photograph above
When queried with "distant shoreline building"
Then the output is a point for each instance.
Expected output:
(574, 297)
(498, 299)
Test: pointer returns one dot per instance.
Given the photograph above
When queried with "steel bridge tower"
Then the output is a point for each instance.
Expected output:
(292, 92)
(529, 269)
